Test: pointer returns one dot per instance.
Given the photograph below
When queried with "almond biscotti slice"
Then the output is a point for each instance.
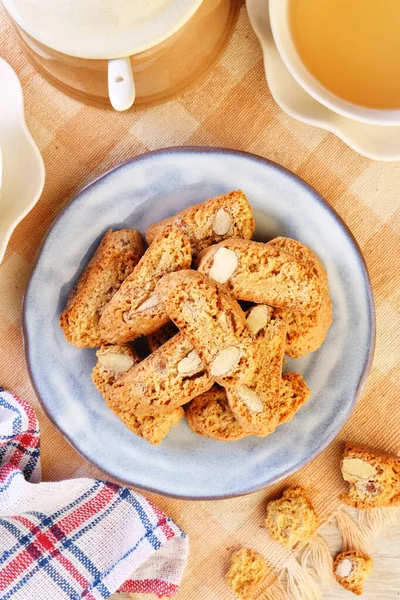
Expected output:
(245, 359)
(306, 333)
(263, 274)
(135, 310)
(162, 335)
(374, 478)
(227, 215)
(112, 362)
(168, 378)
(246, 573)
(115, 258)
(210, 414)
(351, 569)
(291, 519)
(254, 399)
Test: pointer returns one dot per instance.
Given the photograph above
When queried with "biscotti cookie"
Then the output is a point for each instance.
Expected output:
(162, 335)
(210, 414)
(263, 274)
(227, 215)
(112, 362)
(247, 363)
(351, 569)
(170, 377)
(246, 573)
(292, 520)
(135, 310)
(254, 399)
(306, 333)
(114, 259)
(374, 478)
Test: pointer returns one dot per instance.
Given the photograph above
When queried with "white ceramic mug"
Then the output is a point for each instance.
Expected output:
(278, 10)
(116, 45)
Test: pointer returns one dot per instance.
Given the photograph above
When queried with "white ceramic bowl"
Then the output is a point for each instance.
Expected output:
(22, 168)
(377, 142)
(278, 10)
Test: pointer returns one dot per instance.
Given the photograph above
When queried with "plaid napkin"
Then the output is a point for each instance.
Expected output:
(79, 538)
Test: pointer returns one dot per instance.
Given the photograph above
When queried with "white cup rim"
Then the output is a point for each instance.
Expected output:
(146, 35)
(280, 30)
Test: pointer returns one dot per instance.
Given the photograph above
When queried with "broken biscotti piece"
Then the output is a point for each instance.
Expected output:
(246, 572)
(306, 333)
(162, 335)
(166, 379)
(227, 215)
(263, 274)
(374, 478)
(112, 362)
(291, 520)
(115, 258)
(211, 416)
(247, 363)
(351, 569)
(135, 310)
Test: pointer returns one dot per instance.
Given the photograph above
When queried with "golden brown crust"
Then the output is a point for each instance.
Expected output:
(210, 414)
(306, 333)
(360, 566)
(197, 222)
(377, 484)
(162, 335)
(291, 519)
(152, 428)
(246, 573)
(156, 386)
(114, 259)
(264, 274)
(134, 310)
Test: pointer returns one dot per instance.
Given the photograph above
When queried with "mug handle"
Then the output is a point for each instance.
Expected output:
(121, 86)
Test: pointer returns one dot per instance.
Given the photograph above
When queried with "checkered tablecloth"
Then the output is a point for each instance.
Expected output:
(232, 107)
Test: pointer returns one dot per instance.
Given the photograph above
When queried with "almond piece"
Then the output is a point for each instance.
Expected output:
(190, 364)
(257, 318)
(151, 302)
(344, 568)
(222, 222)
(356, 469)
(250, 398)
(116, 362)
(225, 361)
(225, 262)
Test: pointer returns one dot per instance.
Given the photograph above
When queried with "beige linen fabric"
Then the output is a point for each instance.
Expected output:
(232, 107)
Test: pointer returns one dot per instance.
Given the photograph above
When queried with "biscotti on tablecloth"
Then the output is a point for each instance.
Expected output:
(263, 274)
(373, 477)
(115, 258)
(225, 216)
(291, 519)
(112, 362)
(351, 569)
(306, 332)
(246, 573)
(134, 310)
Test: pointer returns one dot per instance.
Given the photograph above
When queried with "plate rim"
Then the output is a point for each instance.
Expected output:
(318, 198)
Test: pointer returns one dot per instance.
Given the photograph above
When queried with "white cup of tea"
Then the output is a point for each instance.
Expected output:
(110, 30)
(343, 60)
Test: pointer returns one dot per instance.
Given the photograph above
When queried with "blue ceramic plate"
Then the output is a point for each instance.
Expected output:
(143, 191)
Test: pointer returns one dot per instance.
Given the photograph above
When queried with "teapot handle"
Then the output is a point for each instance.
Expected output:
(121, 86)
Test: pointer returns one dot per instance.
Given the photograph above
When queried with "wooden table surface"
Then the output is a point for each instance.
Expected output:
(383, 584)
